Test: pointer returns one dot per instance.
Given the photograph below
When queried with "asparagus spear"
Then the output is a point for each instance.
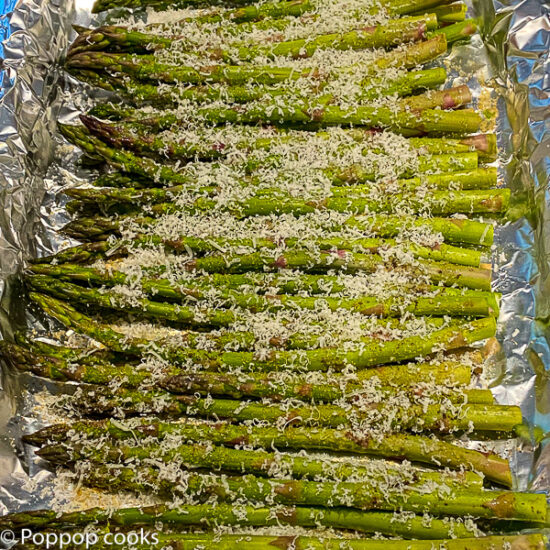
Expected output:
(233, 340)
(415, 448)
(393, 7)
(158, 173)
(145, 68)
(440, 203)
(361, 495)
(377, 474)
(312, 114)
(64, 364)
(118, 248)
(201, 246)
(186, 541)
(386, 416)
(483, 144)
(394, 32)
(457, 230)
(211, 516)
(460, 31)
(99, 37)
(471, 302)
(102, 5)
(177, 380)
(138, 138)
(458, 172)
(59, 361)
(478, 306)
(135, 92)
(132, 200)
(453, 13)
(87, 356)
(478, 278)
(372, 88)
(373, 352)
(369, 492)
(129, 199)
(261, 283)
(265, 386)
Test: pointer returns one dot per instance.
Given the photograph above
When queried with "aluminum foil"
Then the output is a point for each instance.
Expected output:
(511, 61)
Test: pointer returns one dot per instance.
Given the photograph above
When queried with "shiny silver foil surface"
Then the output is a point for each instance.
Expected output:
(510, 67)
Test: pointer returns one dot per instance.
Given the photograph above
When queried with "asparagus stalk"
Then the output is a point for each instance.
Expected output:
(137, 138)
(256, 13)
(453, 13)
(415, 448)
(375, 87)
(135, 92)
(271, 9)
(392, 33)
(368, 491)
(186, 541)
(262, 283)
(456, 172)
(375, 473)
(314, 114)
(103, 250)
(58, 364)
(166, 175)
(447, 274)
(483, 144)
(201, 246)
(440, 203)
(493, 201)
(145, 68)
(449, 98)
(108, 35)
(373, 352)
(87, 356)
(456, 305)
(232, 340)
(455, 230)
(64, 364)
(460, 31)
(458, 230)
(418, 417)
(129, 199)
(473, 302)
(210, 516)
(177, 380)
(264, 386)
(361, 495)
(394, 7)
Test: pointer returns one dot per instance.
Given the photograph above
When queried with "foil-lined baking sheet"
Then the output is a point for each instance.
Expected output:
(511, 61)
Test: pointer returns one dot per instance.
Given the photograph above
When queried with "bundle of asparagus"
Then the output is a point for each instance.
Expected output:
(281, 282)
